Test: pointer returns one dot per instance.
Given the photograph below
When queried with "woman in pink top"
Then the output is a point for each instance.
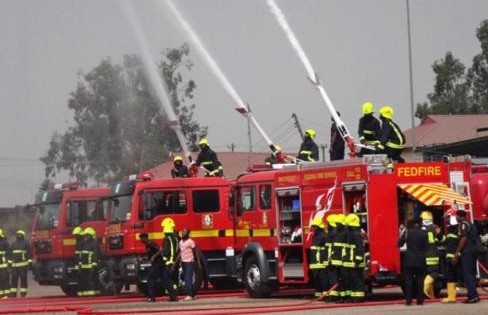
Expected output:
(188, 263)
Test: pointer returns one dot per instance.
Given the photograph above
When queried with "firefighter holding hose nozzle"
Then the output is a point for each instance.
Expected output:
(208, 159)
(391, 139)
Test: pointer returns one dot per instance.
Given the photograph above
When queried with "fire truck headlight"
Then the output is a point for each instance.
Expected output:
(229, 251)
(58, 269)
(130, 266)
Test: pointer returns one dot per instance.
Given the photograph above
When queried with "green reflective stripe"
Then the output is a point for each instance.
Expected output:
(380, 146)
(171, 258)
(450, 235)
(431, 237)
(3, 265)
(207, 163)
(362, 138)
(359, 258)
(372, 142)
(13, 290)
(394, 145)
(357, 294)
(450, 256)
(348, 264)
(20, 264)
(432, 261)
(19, 251)
(23, 290)
(334, 293)
(368, 132)
(398, 133)
(336, 262)
(318, 266)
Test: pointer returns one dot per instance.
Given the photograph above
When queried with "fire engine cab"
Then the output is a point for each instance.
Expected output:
(58, 211)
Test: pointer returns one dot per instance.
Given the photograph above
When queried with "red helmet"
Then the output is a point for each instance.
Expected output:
(147, 176)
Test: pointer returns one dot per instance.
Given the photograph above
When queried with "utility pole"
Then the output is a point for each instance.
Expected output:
(249, 156)
(322, 148)
(410, 67)
(297, 124)
(231, 147)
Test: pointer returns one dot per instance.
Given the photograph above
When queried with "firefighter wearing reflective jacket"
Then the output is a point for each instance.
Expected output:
(179, 169)
(318, 256)
(20, 260)
(156, 269)
(309, 151)
(353, 261)
(169, 253)
(391, 138)
(77, 234)
(451, 244)
(4, 276)
(337, 254)
(369, 129)
(431, 255)
(208, 159)
(88, 263)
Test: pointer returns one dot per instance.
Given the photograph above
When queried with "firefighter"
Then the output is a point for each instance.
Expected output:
(77, 233)
(179, 169)
(369, 129)
(336, 149)
(431, 255)
(332, 273)
(4, 276)
(88, 263)
(452, 242)
(318, 257)
(273, 158)
(467, 250)
(337, 255)
(354, 260)
(20, 260)
(156, 269)
(309, 151)
(169, 253)
(391, 139)
(208, 159)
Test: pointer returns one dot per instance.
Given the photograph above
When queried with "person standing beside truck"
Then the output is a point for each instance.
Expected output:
(156, 269)
(88, 263)
(4, 276)
(20, 260)
(318, 260)
(451, 243)
(189, 263)
(169, 253)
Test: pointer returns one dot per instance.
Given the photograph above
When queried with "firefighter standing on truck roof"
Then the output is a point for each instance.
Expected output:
(318, 256)
(179, 169)
(336, 149)
(391, 138)
(20, 260)
(369, 129)
(354, 260)
(431, 255)
(169, 252)
(309, 151)
(88, 263)
(208, 159)
(452, 242)
(156, 269)
(4, 276)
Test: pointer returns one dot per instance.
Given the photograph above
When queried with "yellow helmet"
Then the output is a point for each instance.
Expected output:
(318, 222)
(77, 231)
(178, 158)
(340, 219)
(426, 215)
(352, 220)
(368, 108)
(89, 231)
(168, 225)
(1, 233)
(20, 232)
(331, 219)
(278, 148)
(387, 112)
(311, 133)
(203, 141)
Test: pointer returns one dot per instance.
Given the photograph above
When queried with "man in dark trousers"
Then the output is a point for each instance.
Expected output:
(468, 252)
(369, 129)
(414, 266)
(391, 139)
(169, 252)
(20, 260)
(337, 147)
(208, 159)
(318, 259)
(156, 269)
(4, 277)
(179, 169)
(309, 151)
(88, 265)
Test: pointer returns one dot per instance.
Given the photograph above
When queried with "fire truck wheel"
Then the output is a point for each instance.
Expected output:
(70, 290)
(253, 279)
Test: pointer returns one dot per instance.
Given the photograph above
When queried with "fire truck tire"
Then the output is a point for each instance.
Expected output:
(253, 279)
(69, 290)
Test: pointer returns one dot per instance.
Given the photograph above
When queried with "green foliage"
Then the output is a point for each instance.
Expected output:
(457, 91)
(119, 128)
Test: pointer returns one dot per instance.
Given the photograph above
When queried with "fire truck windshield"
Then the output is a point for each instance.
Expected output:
(47, 216)
(120, 209)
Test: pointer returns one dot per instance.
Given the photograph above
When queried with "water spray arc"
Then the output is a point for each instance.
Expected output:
(155, 78)
(312, 75)
(214, 67)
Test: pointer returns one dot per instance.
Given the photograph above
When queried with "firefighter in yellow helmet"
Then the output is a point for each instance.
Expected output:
(318, 259)
(88, 264)
(369, 129)
(78, 235)
(4, 276)
(391, 138)
(336, 270)
(354, 260)
(179, 169)
(169, 252)
(209, 160)
(432, 253)
(309, 151)
(20, 260)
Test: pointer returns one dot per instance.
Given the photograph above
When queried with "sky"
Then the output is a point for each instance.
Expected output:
(359, 48)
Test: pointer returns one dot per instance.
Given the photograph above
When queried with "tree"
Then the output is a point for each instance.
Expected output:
(478, 73)
(450, 94)
(119, 128)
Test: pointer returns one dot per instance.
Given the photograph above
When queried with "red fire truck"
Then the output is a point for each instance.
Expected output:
(58, 211)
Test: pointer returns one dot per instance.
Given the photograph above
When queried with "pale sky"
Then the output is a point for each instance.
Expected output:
(359, 48)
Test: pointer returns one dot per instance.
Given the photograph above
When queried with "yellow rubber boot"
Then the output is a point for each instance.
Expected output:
(451, 293)
(429, 286)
